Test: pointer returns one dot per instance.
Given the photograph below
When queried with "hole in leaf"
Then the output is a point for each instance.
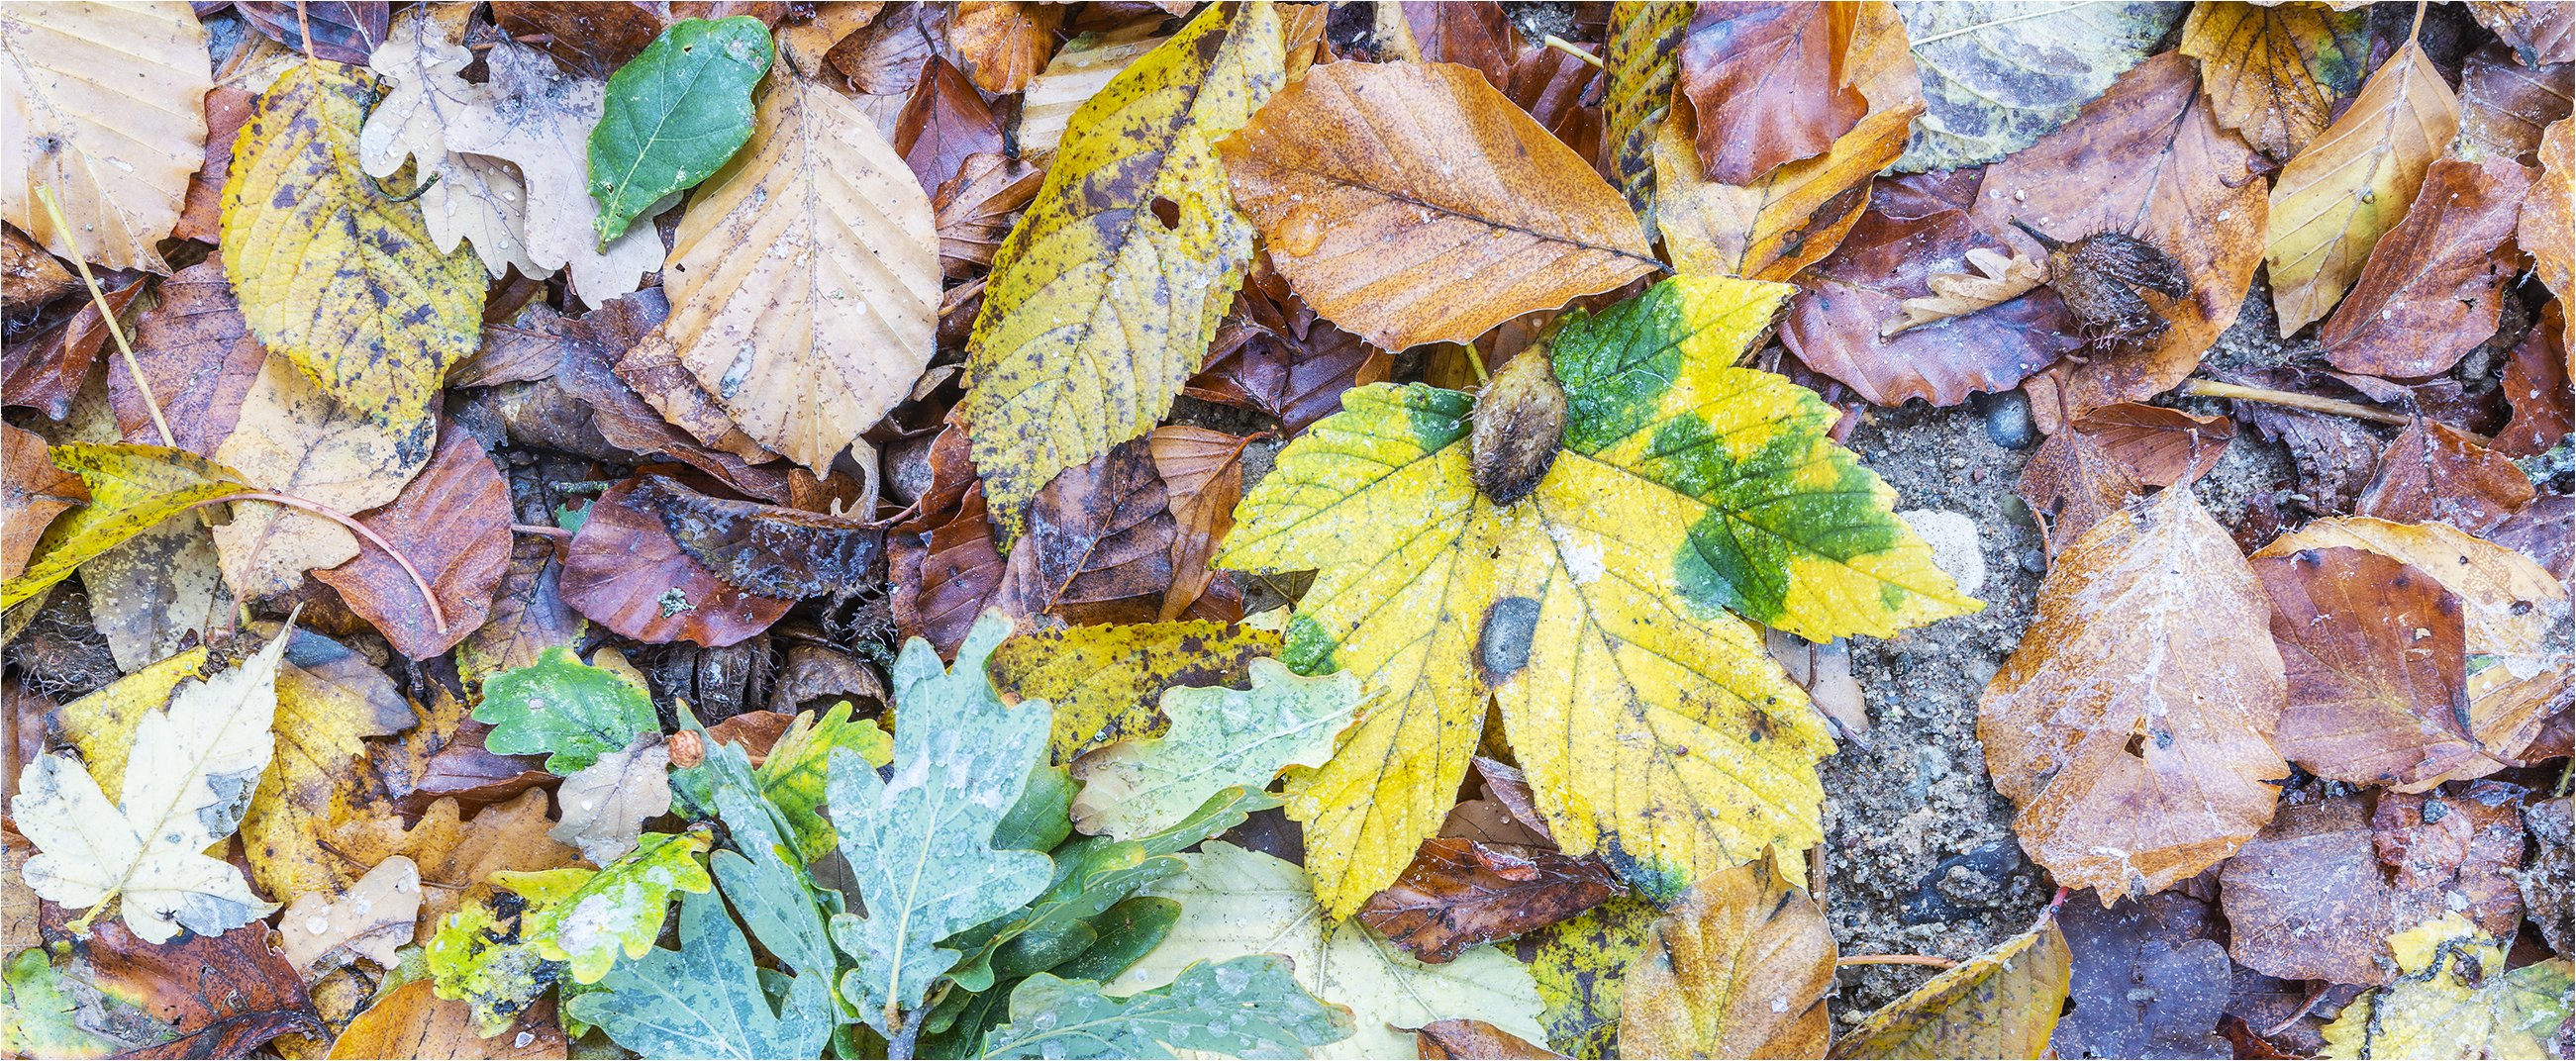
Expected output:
(1167, 212)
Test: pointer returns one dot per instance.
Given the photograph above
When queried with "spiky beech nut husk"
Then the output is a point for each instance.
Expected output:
(2099, 276)
(1519, 426)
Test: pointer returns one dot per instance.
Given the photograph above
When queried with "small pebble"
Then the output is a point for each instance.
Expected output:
(2008, 420)
(2034, 561)
(1953, 538)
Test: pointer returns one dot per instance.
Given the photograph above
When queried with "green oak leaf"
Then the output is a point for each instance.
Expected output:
(565, 709)
(587, 917)
(1248, 1007)
(1219, 738)
(706, 999)
(675, 114)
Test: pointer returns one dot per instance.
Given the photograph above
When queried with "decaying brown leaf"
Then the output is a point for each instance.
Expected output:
(1780, 222)
(33, 493)
(1993, 280)
(1769, 83)
(2432, 472)
(412, 1021)
(2274, 71)
(2307, 899)
(2536, 384)
(453, 854)
(452, 521)
(2377, 674)
(766, 549)
(1275, 356)
(199, 357)
(225, 996)
(28, 275)
(2133, 725)
(1202, 471)
(2002, 1003)
(2456, 848)
(2506, 107)
(2434, 285)
(944, 123)
(371, 919)
(627, 573)
(2112, 454)
(591, 38)
(2149, 979)
(1004, 42)
(2550, 212)
(45, 371)
(1464, 1038)
(1461, 893)
(2539, 33)
(1740, 969)
(2333, 202)
(295, 439)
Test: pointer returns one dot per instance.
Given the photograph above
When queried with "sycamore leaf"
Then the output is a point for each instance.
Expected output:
(2000, 75)
(131, 488)
(1640, 60)
(1104, 679)
(674, 115)
(606, 803)
(920, 846)
(706, 999)
(534, 116)
(1099, 307)
(588, 917)
(804, 280)
(116, 151)
(372, 918)
(192, 770)
(2002, 1003)
(1596, 609)
(338, 278)
(1415, 203)
(1740, 969)
(2456, 999)
(1219, 737)
(2274, 71)
(101, 725)
(1236, 902)
(2354, 183)
(464, 198)
(569, 711)
(1247, 1007)
(295, 438)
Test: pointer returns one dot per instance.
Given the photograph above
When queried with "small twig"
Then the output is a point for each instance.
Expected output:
(98, 299)
(2206, 388)
(1568, 47)
(1896, 959)
(1476, 360)
(304, 31)
(437, 615)
(2316, 994)
(540, 528)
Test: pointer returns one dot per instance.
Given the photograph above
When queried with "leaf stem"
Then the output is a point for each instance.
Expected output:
(2206, 388)
(437, 616)
(98, 299)
(1568, 47)
(1896, 959)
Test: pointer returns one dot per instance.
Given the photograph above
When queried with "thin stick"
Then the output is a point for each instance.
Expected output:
(98, 299)
(1896, 959)
(437, 616)
(2207, 388)
(1568, 47)
(539, 528)
(303, 31)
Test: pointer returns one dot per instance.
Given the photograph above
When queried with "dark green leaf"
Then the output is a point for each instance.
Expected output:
(674, 115)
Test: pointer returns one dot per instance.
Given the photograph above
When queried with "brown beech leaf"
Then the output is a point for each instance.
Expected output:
(2378, 676)
(885, 59)
(201, 215)
(2434, 285)
(2148, 979)
(32, 492)
(2550, 211)
(1202, 471)
(2133, 725)
(1465, 1038)
(2539, 33)
(627, 573)
(2114, 453)
(1740, 968)
(1413, 203)
(1459, 894)
(2071, 483)
(1904, 240)
(1769, 84)
(2456, 849)
(1778, 223)
(44, 371)
(2307, 899)
(766, 549)
(1004, 43)
(2163, 447)
(944, 123)
(589, 345)
(2431, 472)
(1474, 33)
(591, 38)
(28, 275)
(2162, 171)
(2544, 531)
(2536, 383)
(2505, 107)
(975, 209)
(227, 995)
(1273, 355)
(453, 522)
(344, 31)
(1099, 545)
(807, 42)
(2002, 1003)
(528, 614)
(412, 1021)
(2334, 201)
(199, 357)
(944, 562)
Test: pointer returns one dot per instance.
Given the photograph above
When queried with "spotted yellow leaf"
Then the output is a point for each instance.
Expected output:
(2457, 999)
(131, 488)
(1106, 678)
(1106, 295)
(1601, 609)
(333, 273)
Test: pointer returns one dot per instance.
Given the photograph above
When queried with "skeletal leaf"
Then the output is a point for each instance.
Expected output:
(345, 282)
(2456, 999)
(1219, 738)
(2274, 71)
(1099, 308)
(1999, 75)
(1246, 1007)
(131, 488)
(569, 711)
(198, 759)
(464, 198)
(1104, 680)
(115, 150)
(2002, 1003)
(534, 117)
(1740, 969)
(606, 803)
(2354, 183)
(706, 999)
(587, 918)
(674, 114)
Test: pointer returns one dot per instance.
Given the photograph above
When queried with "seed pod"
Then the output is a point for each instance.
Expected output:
(2098, 277)
(1519, 426)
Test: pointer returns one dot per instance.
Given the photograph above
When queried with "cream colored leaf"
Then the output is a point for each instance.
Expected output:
(369, 921)
(295, 439)
(606, 803)
(1997, 280)
(804, 281)
(105, 106)
(2353, 184)
(148, 595)
(1078, 72)
(471, 198)
(539, 119)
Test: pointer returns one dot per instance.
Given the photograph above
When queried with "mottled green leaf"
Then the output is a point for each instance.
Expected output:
(482, 958)
(1248, 1007)
(705, 1000)
(1220, 738)
(39, 1016)
(1105, 678)
(675, 114)
(567, 710)
(792, 777)
(587, 917)
(2000, 74)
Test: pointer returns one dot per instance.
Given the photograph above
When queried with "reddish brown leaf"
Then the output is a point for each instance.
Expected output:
(1903, 240)
(944, 123)
(976, 209)
(2539, 33)
(1469, 33)
(1464, 1038)
(2163, 447)
(1202, 470)
(2536, 383)
(597, 340)
(2373, 652)
(1004, 43)
(1767, 83)
(943, 561)
(44, 371)
(591, 38)
(201, 215)
(887, 58)
(228, 995)
(2504, 105)
(2434, 473)
(528, 614)
(29, 277)
(2545, 530)
(1099, 546)
(2334, 455)
(2113, 454)
(32, 492)
(2434, 285)
(200, 358)
(1460, 893)
(462, 770)
(627, 573)
(766, 549)
(756, 731)
(453, 522)
(344, 31)
(2149, 160)
(2307, 899)
(655, 373)
(2455, 849)
(1275, 356)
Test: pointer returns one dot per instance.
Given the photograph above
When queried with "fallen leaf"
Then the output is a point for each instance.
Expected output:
(1058, 374)
(975, 210)
(454, 854)
(329, 700)
(2434, 284)
(2147, 979)
(227, 107)
(528, 615)
(1581, 968)
(2377, 675)
(1995, 280)
(47, 370)
(226, 995)
(2536, 383)
(606, 804)
(346, 284)
(588, 918)
(481, 956)
(101, 725)
(2130, 786)
(1478, 33)
(1640, 62)
(1461, 893)
(674, 114)
(1781, 222)
(36, 492)
(1103, 680)
(452, 522)
(463, 197)
(2431, 472)
(2538, 35)
(2335, 200)
(534, 117)
(2307, 898)
(1769, 84)
(2550, 209)
(370, 920)
(765, 549)
(707, 995)
(1003, 42)
(1740, 969)
(2274, 71)
(130, 488)
(945, 123)
(2506, 107)
(1413, 237)
(295, 439)
(626, 572)
(591, 38)
(944, 562)
(198, 355)
(1274, 355)
(1079, 71)
(2547, 820)
(2002, 1003)
(345, 31)
(1218, 738)
(805, 350)
(2457, 848)
(412, 1021)
(28, 275)
(1464, 1037)
(569, 711)
(115, 152)
(2456, 999)
(1999, 76)
(2079, 477)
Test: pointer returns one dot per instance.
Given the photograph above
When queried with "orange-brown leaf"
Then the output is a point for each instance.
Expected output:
(453, 522)
(2434, 285)
(1767, 85)
(2373, 653)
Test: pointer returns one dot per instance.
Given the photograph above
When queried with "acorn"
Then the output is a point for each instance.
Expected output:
(1519, 426)
(2099, 276)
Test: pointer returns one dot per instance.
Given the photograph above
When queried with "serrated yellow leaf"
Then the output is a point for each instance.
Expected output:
(131, 488)
(331, 273)
(1105, 678)
(1106, 295)
(102, 724)
(116, 151)
(2456, 999)
(1601, 611)
(2002, 1003)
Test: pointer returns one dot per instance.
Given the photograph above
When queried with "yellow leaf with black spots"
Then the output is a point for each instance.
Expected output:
(329, 700)
(1106, 295)
(2457, 999)
(131, 489)
(1105, 678)
(1604, 608)
(333, 272)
